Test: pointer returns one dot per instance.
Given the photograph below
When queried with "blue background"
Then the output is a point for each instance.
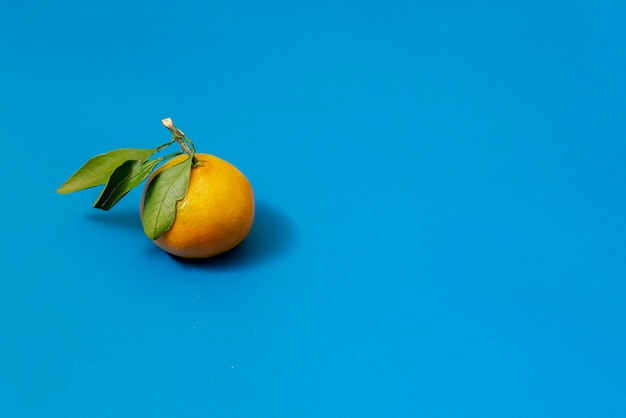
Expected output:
(441, 209)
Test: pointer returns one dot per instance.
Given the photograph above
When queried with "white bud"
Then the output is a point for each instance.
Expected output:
(167, 122)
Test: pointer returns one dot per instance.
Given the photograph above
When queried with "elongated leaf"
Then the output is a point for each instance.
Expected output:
(165, 190)
(125, 178)
(99, 169)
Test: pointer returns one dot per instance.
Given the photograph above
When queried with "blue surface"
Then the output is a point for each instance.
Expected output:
(441, 209)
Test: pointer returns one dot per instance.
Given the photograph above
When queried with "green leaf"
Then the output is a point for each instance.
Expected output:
(164, 191)
(99, 169)
(125, 178)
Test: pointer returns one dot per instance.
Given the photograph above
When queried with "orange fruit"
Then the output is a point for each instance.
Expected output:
(215, 215)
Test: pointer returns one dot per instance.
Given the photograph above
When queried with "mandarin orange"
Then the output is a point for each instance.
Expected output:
(216, 213)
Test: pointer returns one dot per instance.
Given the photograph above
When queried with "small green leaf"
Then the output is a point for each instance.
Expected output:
(99, 169)
(125, 178)
(165, 190)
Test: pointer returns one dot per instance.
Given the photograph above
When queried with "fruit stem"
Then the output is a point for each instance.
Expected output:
(181, 138)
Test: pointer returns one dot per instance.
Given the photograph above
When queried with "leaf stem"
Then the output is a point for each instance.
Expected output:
(185, 143)
(160, 147)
